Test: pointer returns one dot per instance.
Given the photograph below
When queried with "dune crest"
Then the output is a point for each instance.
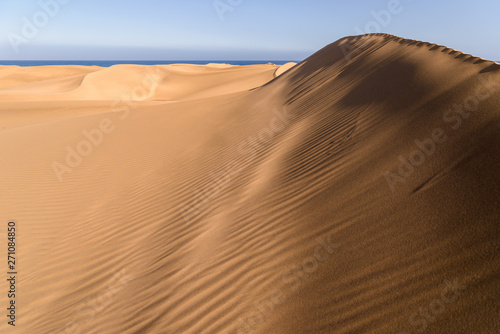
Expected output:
(355, 192)
(283, 68)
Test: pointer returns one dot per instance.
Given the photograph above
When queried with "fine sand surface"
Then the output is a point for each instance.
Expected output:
(356, 192)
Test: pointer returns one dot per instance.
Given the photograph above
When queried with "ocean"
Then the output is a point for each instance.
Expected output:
(108, 63)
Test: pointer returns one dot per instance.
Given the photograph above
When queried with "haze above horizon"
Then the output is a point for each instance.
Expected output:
(232, 29)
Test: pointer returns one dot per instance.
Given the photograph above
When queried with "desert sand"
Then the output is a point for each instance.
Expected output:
(355, 192)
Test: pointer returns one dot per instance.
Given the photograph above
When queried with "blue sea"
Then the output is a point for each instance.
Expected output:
(108, 63)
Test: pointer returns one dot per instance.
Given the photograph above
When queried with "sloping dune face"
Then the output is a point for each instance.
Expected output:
(358, 192)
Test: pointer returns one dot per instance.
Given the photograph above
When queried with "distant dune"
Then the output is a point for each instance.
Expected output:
(355, 192)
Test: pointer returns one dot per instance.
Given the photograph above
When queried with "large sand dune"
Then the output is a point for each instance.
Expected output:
(356, 192)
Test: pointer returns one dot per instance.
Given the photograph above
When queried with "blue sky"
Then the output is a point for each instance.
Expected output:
(232, 29)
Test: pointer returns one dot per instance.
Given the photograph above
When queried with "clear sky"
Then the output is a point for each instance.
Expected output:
(233, 29)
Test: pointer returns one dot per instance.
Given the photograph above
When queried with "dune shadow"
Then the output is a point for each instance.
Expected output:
(394, 85)
(491, 68)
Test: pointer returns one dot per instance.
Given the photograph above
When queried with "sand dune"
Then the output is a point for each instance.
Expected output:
(356, 192)
(283, 68)
(136, 82)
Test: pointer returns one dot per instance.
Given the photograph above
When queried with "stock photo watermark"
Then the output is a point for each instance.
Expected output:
(248, 148)
(93, 138)
(428, 314)
(292, 280)
(454, 118)
(223, 6)
(381, 19)
(93, 306)
(32, 26)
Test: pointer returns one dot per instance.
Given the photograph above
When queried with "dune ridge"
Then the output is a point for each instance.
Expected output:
(433, 46)
(355, 192)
